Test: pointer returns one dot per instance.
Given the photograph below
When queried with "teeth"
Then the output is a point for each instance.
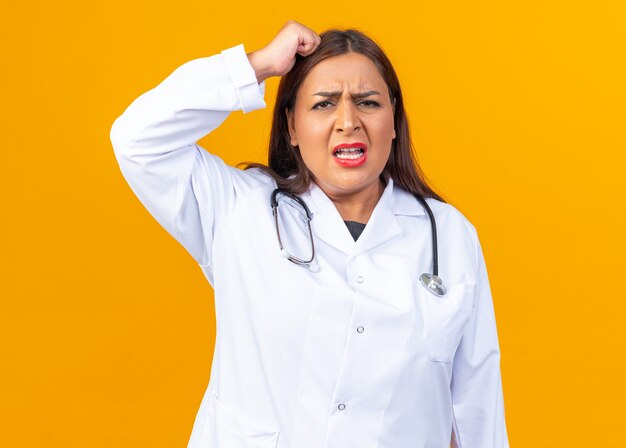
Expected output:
(341, 155)
(349, 153)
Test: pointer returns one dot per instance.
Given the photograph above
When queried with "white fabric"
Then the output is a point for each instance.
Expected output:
(357, 354)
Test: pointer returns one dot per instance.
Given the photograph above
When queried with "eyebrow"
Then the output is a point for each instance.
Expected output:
(354, 95)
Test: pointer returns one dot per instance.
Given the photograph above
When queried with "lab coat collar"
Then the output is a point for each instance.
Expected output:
(328, 225)
(405, 204)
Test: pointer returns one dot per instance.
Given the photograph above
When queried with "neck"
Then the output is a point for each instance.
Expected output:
(359, 205)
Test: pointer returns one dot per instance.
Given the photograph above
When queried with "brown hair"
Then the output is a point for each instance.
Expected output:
(285, 160)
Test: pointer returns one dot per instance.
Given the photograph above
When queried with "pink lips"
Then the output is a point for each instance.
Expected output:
(351, 162)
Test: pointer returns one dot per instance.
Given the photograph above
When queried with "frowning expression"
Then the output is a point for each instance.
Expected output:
(343, 124)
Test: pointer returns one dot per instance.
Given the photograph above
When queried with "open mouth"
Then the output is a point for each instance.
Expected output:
(350, 154)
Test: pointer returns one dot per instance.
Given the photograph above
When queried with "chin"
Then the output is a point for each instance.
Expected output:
(350, 182)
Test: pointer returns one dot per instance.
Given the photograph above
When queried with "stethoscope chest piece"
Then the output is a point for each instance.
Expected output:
(433, 284)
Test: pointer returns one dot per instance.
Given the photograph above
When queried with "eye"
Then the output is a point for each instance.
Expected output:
(369, 103)
(323, 105)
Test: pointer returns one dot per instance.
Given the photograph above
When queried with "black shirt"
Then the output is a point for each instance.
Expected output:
(355, 228)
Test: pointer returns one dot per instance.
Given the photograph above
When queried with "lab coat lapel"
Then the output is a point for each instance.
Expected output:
(327, 223)
(382, 225)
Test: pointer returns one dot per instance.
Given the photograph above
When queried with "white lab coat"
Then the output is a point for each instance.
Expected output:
(357, 354)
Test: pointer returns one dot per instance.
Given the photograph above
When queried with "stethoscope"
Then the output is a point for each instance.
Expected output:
(432, 282)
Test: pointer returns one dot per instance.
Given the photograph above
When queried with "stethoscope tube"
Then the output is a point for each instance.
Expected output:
(433, 228)
(283, 251)
(432, 282)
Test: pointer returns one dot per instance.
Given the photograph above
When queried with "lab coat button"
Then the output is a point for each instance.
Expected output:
(360, 279)
(360, 329)
(341, 407)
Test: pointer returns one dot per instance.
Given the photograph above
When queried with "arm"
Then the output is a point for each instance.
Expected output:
(476, 381)
(185, 188)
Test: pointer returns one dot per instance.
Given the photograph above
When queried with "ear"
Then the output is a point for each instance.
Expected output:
(292, 129)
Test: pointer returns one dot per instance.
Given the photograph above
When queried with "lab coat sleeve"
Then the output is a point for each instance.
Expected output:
(187, 190)
(476, 380)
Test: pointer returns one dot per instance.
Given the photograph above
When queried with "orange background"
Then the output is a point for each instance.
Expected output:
(518, 111)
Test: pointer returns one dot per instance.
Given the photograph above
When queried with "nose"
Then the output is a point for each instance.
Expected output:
(347, 118)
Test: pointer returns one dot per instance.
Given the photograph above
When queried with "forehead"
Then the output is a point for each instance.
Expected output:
(351, 70)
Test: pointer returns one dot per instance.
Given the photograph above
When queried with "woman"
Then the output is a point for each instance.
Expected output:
(325, 337)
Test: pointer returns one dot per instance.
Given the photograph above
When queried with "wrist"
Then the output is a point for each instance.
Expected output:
(262, 69)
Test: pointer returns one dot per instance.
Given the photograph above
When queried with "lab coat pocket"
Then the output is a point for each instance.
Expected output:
(444, 319)
(235, 431)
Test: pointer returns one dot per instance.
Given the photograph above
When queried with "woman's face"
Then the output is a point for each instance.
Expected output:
(343, 124)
